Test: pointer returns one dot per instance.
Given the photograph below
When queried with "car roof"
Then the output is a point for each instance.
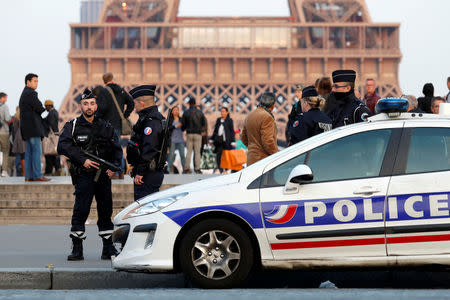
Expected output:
(408, 116)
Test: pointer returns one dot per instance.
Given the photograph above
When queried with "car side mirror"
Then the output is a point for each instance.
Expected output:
(300, 174)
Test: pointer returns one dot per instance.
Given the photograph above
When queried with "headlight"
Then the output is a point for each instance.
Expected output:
(154, 206)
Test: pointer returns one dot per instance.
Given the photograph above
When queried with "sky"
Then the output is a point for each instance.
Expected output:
(35, 37)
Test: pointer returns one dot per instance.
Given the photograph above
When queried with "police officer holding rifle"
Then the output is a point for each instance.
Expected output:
(150, 139)
(94, 153)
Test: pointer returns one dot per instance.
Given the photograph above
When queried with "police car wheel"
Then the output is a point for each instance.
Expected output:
(216, 253)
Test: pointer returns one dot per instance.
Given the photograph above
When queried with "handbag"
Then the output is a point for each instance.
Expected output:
(50, 144)
(233, 159)
(127, 127)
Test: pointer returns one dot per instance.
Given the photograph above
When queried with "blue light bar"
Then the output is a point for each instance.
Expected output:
(391, 105)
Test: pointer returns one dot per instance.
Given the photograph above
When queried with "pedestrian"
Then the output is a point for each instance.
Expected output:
(412, 104)
(5, 119)
(177, 140)
(342, 107)
(145, 146)
(237, 138)
(371, 97)
(312, 121)
(435, 104)
(95, 136)
(194, 122)
(112, 101)
(260, 131)
(223, 135)
(425, 102)
(31, 128)
(52, 161)
(296, 110)
(18, 147)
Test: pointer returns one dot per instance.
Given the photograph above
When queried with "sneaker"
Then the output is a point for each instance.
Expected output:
(5, 174)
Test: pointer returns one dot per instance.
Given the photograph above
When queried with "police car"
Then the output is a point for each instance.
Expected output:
(372, 194)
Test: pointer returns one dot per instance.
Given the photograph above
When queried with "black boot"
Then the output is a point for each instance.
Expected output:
(77, 249)
(108, 249)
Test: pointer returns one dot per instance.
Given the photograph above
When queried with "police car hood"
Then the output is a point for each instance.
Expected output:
(194, 186)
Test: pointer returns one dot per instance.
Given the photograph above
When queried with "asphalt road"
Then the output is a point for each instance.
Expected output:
(37, 246)
(271, 294)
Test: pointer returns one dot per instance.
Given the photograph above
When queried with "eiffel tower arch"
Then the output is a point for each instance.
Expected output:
(230, 61)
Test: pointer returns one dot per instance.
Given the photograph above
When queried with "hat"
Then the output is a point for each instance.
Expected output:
(237, 130)
(87, 94)
(48, 102)
(309, 91)
(344, 76)
(143, 90)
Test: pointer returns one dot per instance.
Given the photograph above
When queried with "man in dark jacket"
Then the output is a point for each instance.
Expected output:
(107, 109)
(51, 125)
(145, 143)
(343, 106)
(193, 121)
(31, 128)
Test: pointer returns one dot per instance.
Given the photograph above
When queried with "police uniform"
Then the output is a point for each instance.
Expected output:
(145, 144)
(97, 138)
(347, 109)
(309, 123)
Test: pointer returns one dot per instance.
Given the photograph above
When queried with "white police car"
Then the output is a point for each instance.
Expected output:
(373, 194)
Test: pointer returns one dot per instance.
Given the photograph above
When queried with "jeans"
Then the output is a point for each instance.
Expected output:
(180, 148)
(33, 155)
(19, 157)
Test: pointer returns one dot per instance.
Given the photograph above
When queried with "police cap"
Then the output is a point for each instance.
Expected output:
(344, 76)
(309, 91)
(87, 94)
(143, 90)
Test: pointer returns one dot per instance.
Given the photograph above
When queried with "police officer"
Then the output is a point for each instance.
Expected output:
(343, 107)
(96, 136)
(296, 110)
(144, 148)
(312, 121)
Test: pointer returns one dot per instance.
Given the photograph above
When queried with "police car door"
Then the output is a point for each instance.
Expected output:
(341, 212)
(417, 219)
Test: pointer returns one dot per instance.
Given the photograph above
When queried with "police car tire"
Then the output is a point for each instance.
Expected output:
(238, 276)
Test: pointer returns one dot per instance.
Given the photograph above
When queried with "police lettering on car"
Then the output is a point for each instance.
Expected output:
(312, 121)
(147, 148)
(94, 151)
(343, 107)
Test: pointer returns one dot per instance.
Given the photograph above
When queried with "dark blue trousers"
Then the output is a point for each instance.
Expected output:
(85, 190)
(152, 183)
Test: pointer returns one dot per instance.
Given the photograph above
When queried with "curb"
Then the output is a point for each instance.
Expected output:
(84, 278)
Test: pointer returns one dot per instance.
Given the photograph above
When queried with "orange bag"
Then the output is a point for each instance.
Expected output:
(233, 159)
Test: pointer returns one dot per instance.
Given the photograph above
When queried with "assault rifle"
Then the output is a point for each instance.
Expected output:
(165, 143)
(103, 164)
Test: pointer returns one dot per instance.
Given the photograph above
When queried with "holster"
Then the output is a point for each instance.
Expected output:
(74, 173)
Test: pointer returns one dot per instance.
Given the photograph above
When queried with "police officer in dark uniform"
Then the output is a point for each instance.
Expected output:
(145, 144)
(343, 107)
(312, 121)
(95, 136)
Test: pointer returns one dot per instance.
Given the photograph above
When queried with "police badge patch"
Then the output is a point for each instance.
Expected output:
(148, 131)
(295, 124)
